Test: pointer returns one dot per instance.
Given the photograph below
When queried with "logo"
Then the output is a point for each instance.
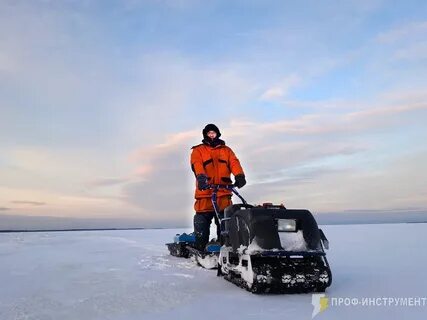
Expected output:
(320, 303)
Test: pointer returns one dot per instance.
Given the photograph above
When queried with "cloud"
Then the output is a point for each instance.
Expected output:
(102, 121)
(281, 89)
(4, 208)
(355, 187)
(56, 169)
(165, 192)
(404, 43)
(171, 90)
(32, 203)
(403, 32)
(416, 51)
(40, 56)
(281, 158)
(369, 116)
(105, 182)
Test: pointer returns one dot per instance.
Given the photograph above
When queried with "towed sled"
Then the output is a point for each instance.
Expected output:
(264, 248)
(184, 246)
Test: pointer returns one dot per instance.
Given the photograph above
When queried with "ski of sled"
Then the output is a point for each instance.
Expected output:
(183, 246)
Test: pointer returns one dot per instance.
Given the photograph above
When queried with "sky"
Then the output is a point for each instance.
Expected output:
(324, 103)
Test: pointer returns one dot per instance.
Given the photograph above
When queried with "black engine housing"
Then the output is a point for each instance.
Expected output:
(244, 222)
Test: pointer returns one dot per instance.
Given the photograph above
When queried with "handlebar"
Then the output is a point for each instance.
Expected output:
(221, 186)
(216, 187)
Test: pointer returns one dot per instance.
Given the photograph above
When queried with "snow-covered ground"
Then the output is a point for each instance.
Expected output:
(129, 275)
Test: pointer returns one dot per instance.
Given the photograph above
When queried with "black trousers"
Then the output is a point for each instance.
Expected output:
(202, 224)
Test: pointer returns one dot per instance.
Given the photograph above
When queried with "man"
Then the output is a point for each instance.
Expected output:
(212, 163)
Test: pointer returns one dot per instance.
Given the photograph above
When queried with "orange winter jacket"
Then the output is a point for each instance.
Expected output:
(217, 163)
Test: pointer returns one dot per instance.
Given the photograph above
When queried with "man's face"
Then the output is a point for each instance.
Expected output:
(212, 135)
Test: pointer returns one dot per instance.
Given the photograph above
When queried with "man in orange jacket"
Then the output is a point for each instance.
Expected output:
(212, 163)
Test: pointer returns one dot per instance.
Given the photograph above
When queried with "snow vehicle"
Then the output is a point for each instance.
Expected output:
(269, 248)
(265, 248)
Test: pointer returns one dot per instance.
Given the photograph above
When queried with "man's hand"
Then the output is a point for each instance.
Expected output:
(202, 181)
(240, 180)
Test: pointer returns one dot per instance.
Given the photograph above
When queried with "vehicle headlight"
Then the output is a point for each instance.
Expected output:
(286, 225)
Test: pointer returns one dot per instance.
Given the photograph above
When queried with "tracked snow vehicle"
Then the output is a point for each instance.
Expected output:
(264, 248)
(269, 248)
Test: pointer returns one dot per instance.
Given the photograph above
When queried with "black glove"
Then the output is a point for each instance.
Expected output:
(202, 181)
(240, 180)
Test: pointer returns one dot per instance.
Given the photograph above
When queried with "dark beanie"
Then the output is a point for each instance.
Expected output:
(211, 127)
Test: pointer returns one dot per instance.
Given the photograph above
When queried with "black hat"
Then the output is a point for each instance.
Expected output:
(211, 127)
